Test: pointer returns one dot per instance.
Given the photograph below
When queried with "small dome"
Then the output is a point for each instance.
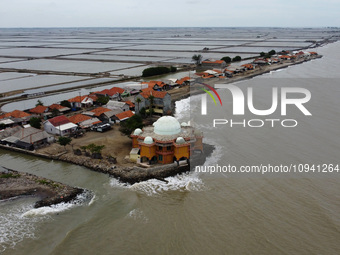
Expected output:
(180, 140)
(167, 125)
(137, 131)
(198, 132)
(183, 124)
(148, 140)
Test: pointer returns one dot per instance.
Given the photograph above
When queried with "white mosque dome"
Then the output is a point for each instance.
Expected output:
(148, 140)
(183, 124)
(137, 131)
(180, 140)
(167, 125)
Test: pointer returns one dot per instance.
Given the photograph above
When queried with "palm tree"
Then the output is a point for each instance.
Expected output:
(138, 100)
(197, 58)
(151, 98)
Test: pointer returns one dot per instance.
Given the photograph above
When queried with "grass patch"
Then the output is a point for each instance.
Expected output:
(44, 182)
(9, 175)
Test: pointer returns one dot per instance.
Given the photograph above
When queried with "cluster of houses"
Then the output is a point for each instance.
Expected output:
(85, 112)
(219, 68)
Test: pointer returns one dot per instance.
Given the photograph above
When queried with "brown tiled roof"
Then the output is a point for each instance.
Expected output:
(38, 109)
(130, 103)
(15, 114)
(56, 106)
(180, 81)
(157, 94)
(153, 83)
(99, 111)
(124, 115)
(110, 92)
(78, 118)
(59, 120)
(213, 62)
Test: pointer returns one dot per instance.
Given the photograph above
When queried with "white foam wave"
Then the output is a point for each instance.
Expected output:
(183, 182)
(118, 184)
(94, 199)
(218, 152)
(182, 109)
(138, 215)
(13, 227)
(45, 210)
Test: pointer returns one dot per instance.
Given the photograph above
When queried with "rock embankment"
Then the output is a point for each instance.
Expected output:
(135, 174)
(14, 184)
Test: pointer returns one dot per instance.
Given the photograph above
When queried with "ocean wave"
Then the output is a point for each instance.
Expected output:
(182, 182)
(138, 215)
(13, 226)
(78, 201)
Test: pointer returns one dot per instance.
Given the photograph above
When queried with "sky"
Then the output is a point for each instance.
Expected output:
(169, 13)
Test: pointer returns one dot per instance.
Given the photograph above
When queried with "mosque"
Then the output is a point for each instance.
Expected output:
(165, 142)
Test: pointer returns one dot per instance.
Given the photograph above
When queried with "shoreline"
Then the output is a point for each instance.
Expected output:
(131, 175)
(183, 92)
(15, 184)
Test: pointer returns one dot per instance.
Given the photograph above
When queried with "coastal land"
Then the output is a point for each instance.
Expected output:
(15, 184)
(117, 146)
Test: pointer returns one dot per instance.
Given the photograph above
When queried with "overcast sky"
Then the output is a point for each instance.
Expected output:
(169, 13)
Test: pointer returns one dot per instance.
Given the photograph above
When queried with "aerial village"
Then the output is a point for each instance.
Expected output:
(129, 126)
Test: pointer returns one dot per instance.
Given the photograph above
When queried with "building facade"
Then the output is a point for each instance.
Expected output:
(165, 142)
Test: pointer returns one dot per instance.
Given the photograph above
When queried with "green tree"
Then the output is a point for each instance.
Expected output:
(103, 100)
(138, 100)
(63, 140)
(173, 69)
(262, 54)
(155, 71)
(128, 126)
(226, 59)
(55, 112)
(197, 58)
(237, 58)
(65, 103)
(142, 112)
(35, 122)
(39, 103)
(151, 100)
(272, 52)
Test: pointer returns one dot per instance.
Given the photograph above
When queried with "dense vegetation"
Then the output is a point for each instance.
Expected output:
(226, 59)
(35, 122)
(129, 125)
(158, 70)
(197, 58)
(268, 54)
(237, 58)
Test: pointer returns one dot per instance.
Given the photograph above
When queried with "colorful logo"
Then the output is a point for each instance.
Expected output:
(204, 97)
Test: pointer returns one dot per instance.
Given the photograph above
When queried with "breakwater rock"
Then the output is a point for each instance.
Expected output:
(15, 184)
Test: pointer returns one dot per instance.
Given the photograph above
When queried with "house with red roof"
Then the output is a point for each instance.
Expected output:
(60, 108)
(113, 93)
(39, 110)
(18, 117)
(82, 101)
(159, 100)
(211, 64)
(158, 85)
(59, 125)
(84, 121)
(124, 116)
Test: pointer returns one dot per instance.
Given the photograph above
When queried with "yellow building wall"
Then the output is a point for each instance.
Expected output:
(134, 142)
(147, 151)
(183, 151)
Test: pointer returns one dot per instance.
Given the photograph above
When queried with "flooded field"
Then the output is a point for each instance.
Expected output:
(48, 59)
